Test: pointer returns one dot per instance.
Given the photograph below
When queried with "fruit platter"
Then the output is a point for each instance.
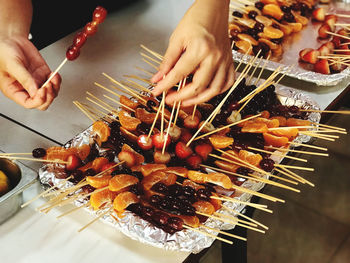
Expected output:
(312, 37)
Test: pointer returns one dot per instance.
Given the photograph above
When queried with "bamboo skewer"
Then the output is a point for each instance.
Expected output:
(55, 72)
(208, 234)
(236, 219)
(308, 146)
(72, 210)
(234, 200)
(298, 151)
(329, 126)
(262, 70)
(110, 91)
(94, 111)
(84, 111)
(317, 136)
(337, 35)
(327, 111)
(277, 154)
(150, 58)
(297, 176)
(94, 220)
(117, 102)
(149, 63)
(138, 85)
(250, 219)
(138, 78)
(157, 55)
(295, 167)
(155, 120)
(224, 233)
(33, 159)
(112, 109)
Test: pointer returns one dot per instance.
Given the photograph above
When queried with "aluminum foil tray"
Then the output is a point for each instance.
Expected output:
(186, 240)
(306, 38)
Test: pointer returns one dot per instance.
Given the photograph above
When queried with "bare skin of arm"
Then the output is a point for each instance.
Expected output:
(22, 68)
(199, 46)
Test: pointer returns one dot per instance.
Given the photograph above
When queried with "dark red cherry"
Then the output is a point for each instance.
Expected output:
(99, 14)
(72, 53)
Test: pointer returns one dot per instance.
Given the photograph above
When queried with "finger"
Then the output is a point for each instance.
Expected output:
(214, 88)
(230, 78)
(201, 79)
(17, 70)
(56, 84)
(50, 96)
(172, 55)
(184, 66)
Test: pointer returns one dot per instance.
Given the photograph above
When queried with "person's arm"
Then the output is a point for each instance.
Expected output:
(200, 46)
(22, 69)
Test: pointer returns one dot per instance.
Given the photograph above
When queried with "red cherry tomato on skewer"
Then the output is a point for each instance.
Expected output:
(90, 28)
(99, 14)
(144, 142)
(72, 53)
(80, 39)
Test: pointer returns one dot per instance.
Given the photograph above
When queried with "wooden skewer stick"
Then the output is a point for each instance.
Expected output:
(343, 15)
(138, 85)
(149, 63)
(138, 78)
(298, 179)
(46, 191)
(110, 91)
(72, 210)
(33, 159)
(162, 117)
(234, 200)
(227, 126)
(8, 154)
(329, 126)
(181, 85)
(265, 196)
(168, 130)
(224, 233)
(234, 218)
(158, 61)
(229, 221)
(84, 111)
(124, 87)
(298, 151)
(155, 120)
(55, 72)
(295, 167)
(323, 135)
(207, 234)
(317, 136)
(250, 219)
(112, 109)
(277, 154)
(308, 145)
(157, 55)
(255, 68)
(97, 218)
(297, 176)
(338, 35)
(98, 104)
(98, 113)
(327, 111)
(262, 70)
(117, 102)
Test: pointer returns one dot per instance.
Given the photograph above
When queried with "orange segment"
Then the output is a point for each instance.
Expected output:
(271, 32)
(282, 120)
(128, 102)
(149, 181)
(204, 207)
(100, 198)
(123, 200)
(121, 181)
(219, 179)
(128, 134)
(197, 177)
(98, 181)
(145, 116)
(192, 184)
(83, 151)
(265, 114)
(102, 130)
(149, 168)
(220, 142)
(255, 127)
(85, 167)
(98, 163)
(269, 123)
(273, 10)
(227, 166)
(290, 133)
(127, 121)
(297, 122)
(59, 153)
(215, 202)
(169, 179)
(250, 157)
(275, 141)
(180, 171)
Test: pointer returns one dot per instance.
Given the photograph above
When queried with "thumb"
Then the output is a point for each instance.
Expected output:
(22, 75)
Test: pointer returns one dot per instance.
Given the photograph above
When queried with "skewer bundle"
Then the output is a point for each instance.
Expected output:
(168, 174)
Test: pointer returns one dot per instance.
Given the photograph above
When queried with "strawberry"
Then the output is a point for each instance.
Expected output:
(158, 141)
(331, 20)
(191, 123)
(322, 66)
(194, 161)
(182, 151)
(108, 166)
(303, 52)
(161, 158)
(203, 150)
(318, 14)
(322, 31)
(311, 56)
(337, 67)
(144, 142)
(324, 50)
(74, 162)
(337, 41)
(330, 46)
(185, 135)
(127, 157)
(175, 133)
(345, 50)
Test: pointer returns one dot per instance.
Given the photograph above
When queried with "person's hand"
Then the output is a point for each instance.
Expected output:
(23, 71)
(200, 46)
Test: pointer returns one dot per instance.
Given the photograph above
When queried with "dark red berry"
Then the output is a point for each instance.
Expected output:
(72, 53)
(79, 39)
(39, 153)
(99, 14)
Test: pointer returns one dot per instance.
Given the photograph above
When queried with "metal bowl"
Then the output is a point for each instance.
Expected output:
(20, 177)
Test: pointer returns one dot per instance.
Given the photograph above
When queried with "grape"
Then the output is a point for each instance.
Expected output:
(99, 15)
(72, 53)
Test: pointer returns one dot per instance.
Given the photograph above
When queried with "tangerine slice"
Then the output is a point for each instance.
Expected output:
(99, 198)
(269, 123)
(98, 181)
(252, 158)
(244, 46)
(290, 133)
(102, 130)
(139, 157)
(191, 221)
(59, 153)
(297, 122)
(263, 20)
(128, 102)
(227, 166)
(152, 179)
(145, 116)
(121, 181)
(127, 121)
(128, 134)
(85, 167)
(220, 142)
(178, 170)
(216, 202)
(271, 32)
(197, 177)
(204, 207)
(228, 154)
(265, 114)
(83, 151)
(219, 179)
(282, 120)
(274, 140)
(271, 45)
(273, 10)
(149, 168)
(169, 179)
(98, 163)
(192, 184)
(255, 128)
(248, 38)
(123, 200)
(296, 27)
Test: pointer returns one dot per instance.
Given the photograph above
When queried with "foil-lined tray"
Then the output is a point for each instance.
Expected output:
(293, 44)
(188, 241)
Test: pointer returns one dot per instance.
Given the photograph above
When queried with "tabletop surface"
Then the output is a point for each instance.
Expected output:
(114, 50)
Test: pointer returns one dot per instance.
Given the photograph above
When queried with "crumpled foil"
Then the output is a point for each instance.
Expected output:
(296, 71)
(186, 240)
